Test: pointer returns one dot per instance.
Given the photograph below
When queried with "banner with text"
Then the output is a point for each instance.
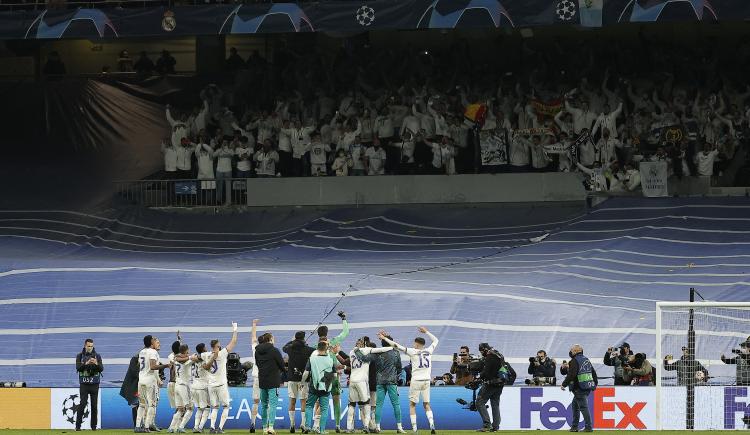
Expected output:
(654, 179)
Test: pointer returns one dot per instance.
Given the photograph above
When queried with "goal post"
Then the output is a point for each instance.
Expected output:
(703, 384)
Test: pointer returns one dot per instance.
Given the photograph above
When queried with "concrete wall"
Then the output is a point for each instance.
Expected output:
(423, 189)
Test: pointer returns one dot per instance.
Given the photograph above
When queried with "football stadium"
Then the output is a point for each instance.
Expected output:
(387, 216)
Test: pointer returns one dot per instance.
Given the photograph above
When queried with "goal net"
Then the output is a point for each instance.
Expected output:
(703, 365)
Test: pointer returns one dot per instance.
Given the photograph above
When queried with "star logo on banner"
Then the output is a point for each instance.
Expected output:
(365, 15)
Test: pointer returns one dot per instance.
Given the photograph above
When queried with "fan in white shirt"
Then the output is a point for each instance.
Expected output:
(421, 373)
(375, 159)
(218, 391)
(148, 383)
(179, 127)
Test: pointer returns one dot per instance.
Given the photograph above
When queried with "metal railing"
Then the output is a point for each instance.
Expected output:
(184, 192)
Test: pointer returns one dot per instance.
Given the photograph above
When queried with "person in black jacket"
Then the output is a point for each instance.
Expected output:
(542, 369)
(89, 366)
(582, 380)
(299, 354)
(618, 358)
(492, 387)
(129, 388)
(270, 366)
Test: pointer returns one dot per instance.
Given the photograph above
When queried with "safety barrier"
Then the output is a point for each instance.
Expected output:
(521, 408)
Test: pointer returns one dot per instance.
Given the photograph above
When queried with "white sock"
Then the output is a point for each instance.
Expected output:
(350, 418)
(224, 415)
(139, 416)
(372, 416)
(198, 415)
(175, 420)
(214, 414)
(292, 414)
(366, 417)
(302, 413)
(377, 426)
(413, 422)
(399, 426)
(186, 418)
(204, 417)
(316, 422)
(150, 416)
(254, 414)
(430, 418)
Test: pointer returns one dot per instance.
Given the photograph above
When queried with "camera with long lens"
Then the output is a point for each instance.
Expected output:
(540, 381)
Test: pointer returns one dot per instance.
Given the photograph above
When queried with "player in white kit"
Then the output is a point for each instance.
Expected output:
(218, 390)
(148, 383)
(183, 364)
(359, 383)
(199, 388)
(421, 373)
(254, 372)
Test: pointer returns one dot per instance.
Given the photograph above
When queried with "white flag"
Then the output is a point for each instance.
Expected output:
(654, 179)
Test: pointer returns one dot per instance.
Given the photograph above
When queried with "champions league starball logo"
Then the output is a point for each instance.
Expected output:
(566, 10)
(365, 15)
(70, 408)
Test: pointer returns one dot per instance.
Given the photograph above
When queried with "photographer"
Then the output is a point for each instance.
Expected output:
(617, 357)
(639, 371)
(89, 367)
(492, 387)
(689, 371)
(742, 360)
(542, 370)
(460, 366)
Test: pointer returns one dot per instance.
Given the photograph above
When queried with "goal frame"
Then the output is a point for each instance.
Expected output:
(660, 356)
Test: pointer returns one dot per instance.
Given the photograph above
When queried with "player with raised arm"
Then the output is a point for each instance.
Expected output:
(183, 364)
(359, 388)
(256, 382)
(336, 386)
(421, 373)
(172, 384)
(218, 391)
(200, 387)
(148, 383)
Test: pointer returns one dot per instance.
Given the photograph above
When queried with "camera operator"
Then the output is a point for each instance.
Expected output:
(492, 387)
(460, 366)
(617, 357)
(542, 370)
(742, 360)
(689, 371)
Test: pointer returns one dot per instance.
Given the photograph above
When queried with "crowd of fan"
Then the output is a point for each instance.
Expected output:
(370, 112)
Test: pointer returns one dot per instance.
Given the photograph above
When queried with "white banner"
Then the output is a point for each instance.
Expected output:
(63, 407)
(654, 179)
(494, 147)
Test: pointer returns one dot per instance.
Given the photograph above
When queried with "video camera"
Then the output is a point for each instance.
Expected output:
(237, 370)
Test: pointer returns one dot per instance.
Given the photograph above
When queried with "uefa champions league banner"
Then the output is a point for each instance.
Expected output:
(522, 408)
(355, 16)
